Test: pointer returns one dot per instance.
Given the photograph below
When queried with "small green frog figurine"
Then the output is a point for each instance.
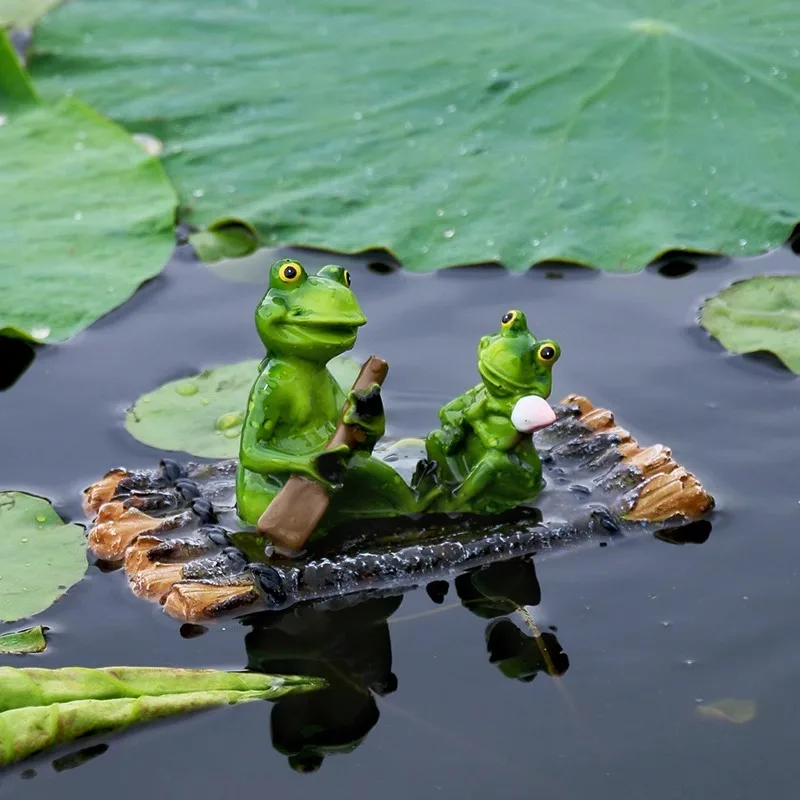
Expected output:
(304, 321)
(484, 451)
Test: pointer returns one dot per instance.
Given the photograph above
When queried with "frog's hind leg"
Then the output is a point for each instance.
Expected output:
(254, 492)
(494, 469)
(372, 488)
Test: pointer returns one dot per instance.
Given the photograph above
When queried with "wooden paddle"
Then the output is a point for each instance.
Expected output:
(298, 507)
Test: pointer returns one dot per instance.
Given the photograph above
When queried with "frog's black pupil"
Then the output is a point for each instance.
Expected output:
(347, 277)
(547, 353)
(289, 273)
(507, 318)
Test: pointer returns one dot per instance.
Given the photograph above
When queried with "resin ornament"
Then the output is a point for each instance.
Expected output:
(344, 514)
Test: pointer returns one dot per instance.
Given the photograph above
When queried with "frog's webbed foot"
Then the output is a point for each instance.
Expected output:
(426, 484)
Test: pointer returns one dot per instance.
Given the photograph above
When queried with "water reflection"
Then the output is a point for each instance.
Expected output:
(351, 648)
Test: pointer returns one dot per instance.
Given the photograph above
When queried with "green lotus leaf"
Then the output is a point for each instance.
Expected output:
(44, 708)
(40, 555)
(202, 415)
(758, 314)
(87, 215)
(31, 640)
(603, 132)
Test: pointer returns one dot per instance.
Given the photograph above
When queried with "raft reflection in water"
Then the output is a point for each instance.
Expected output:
(351, 648)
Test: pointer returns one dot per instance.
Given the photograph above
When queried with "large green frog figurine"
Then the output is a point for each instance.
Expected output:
(304, 321)
(486, 460)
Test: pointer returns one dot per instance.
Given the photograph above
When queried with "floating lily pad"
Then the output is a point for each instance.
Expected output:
(87, 214)
(601, 132)
(31, 640)
(45, 708)
(760, 313)
(728, 710)
(40, 556)
(202, 415)
(24, 13)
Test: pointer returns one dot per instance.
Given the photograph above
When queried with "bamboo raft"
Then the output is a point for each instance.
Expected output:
(174, 530)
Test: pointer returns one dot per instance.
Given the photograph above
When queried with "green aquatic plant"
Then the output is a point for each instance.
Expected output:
(44, 708)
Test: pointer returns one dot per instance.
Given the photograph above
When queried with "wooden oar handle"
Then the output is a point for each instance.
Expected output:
(298, 507)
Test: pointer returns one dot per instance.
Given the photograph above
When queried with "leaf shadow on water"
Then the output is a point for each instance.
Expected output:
(15, 358)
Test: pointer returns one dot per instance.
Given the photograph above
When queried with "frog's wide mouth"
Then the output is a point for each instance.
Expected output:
(501, 380)
(327, 327)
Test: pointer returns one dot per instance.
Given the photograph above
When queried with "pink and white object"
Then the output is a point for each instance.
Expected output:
(532, 413)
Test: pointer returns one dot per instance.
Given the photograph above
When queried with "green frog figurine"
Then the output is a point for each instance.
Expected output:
(304, 321)
(486, 462)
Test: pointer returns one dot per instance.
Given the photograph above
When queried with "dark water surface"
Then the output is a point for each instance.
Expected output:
(649, 629)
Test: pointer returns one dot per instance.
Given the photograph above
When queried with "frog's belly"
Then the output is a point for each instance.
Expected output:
(303, 440)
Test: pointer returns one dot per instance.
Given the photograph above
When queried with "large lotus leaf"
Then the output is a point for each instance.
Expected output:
(761, 313)
(87, 215)
(42, 708)
(24, 13)
(40, 556)
(599, 131)
(202, 415)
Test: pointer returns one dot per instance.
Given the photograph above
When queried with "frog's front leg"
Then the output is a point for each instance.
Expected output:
(365, 412)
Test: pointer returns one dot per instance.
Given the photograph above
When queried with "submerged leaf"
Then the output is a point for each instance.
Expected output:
(31, 640)
(87, 214)
(40, 556)
(761, 313)
(728, 710)
(225, 238)
(598, 131)
(41, 708)
(202, 415)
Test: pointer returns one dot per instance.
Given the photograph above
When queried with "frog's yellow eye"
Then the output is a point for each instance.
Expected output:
(508, 319)
(546, 354)
(290, 272)
(347, 278)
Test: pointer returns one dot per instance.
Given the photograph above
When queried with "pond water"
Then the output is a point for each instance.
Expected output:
(640, 630)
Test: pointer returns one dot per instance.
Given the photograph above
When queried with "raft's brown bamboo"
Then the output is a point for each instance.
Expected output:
(117, 527)
(665, 490)
(299, 506)
(192, 601)
(102, 491)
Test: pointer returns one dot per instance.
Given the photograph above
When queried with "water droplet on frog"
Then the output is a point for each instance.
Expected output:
(535, 242)
(712, 170)
(490, 242)
(439, 120)
(449, 233)
(358, 116)
(451, 109)
(742, 242)
(77, 216)
(693, 203)
(187, 389)
(198, 193)
(439, 212)
(41, 518)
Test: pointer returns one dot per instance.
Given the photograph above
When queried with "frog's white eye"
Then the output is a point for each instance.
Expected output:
(290, 272)
(508, 319)
(547, 353)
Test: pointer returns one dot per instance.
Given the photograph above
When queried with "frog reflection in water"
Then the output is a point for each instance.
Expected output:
(304, 321)
(486, 460)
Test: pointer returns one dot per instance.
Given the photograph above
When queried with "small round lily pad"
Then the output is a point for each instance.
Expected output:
(728, 710)
(761, 313)
(40, 555)
(202, 415)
